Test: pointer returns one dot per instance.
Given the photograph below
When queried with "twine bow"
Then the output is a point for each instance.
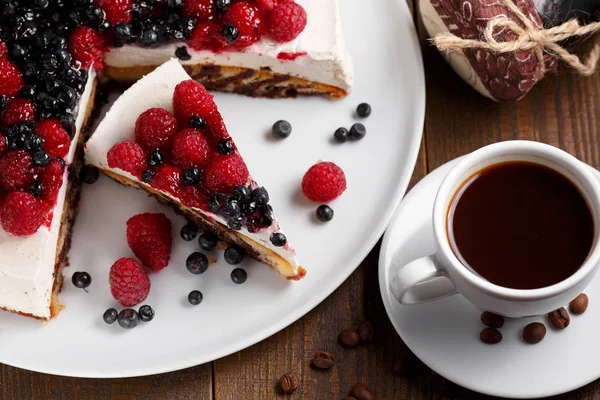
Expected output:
(529, 37)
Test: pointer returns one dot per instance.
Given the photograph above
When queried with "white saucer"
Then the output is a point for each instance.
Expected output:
(444, 334)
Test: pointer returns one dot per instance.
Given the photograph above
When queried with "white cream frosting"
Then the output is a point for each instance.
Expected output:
(156, 90)
(327, 59)
(27, 263)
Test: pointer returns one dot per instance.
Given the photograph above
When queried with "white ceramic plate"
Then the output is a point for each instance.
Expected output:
(444, 334)
(389, 75)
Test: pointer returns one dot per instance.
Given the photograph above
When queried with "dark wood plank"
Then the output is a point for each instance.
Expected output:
(192, 383)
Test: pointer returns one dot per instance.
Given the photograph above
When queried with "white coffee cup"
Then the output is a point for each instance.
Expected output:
(442, 274)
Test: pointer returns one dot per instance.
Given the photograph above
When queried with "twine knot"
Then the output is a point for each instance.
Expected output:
(528, 37)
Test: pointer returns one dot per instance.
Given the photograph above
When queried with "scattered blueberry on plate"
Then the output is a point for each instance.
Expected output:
(195, 297)
(239, 276)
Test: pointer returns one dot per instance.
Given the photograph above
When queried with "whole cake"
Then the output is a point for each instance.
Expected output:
(52, 53)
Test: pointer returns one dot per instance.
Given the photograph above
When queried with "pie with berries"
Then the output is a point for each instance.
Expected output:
(165, 135)
(270, 48)
(51, 55)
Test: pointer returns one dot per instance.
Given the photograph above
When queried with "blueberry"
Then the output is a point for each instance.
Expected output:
(216, 202)
(363, 110)
(260, 196)
(81, 279)
(68, 123)
(3, 102)
(40, 4)
(278, 239)
(67, 96)
(197, 122)
(324, 213)
(208, 241)
(192, 176)
(148, 38)
(239, 276)
(174, 4)
(128, 318)
(189, 231)
(341, 135)
(17, 141)
(249, 208)
(123, 34)
(241, 194)
(222, 5)
(234, 255)
(89, 174)
(182, 53)
(36, 189)
(224, 146)
(146, 313)
(357, 131)
(230, 33)
(110, 316)
(235, 223)
(147, 176)
(231, 210)
(18, 53)
(196, 263)
(28, 91)
(156, 158)
(281, 129)
(195, 297)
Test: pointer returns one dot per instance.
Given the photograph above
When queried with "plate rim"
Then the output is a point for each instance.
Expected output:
(385, 295)
(413, 146)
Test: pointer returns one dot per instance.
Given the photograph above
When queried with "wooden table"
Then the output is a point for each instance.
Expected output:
(562, 110)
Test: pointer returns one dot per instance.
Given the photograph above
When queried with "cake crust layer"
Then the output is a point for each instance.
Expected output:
(252, 248)
(246, 81)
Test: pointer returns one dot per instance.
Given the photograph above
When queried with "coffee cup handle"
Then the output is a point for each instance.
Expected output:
(420, 281)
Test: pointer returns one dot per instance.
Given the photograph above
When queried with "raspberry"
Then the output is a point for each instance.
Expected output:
(215, 128)
(16, 170)
(155, 128)
(56, 139)
(202, 10)
(248, 20)
(149, 237)
(190, 148)
(286, 21)
(3, 144)
(87, 46)
(323, 182)
(116, 11)
(129, 282)
(18, 110)
(52, 180)
(3, 49)
(128, 156)
(266, 5)
(21, 214)
(190, 98)
(225, 172)
(208, 36)
(11, 80)
(193, 197)
(168, 179)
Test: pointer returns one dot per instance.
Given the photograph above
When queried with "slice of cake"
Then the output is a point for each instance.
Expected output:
(255, 47)
(39, 192)
(166, 136)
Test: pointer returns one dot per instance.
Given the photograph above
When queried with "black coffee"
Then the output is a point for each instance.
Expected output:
(520, 225)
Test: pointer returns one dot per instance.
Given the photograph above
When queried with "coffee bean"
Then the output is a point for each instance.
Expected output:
(534, 332)
(289, 382)
(490, 336)
(361, 392)
(400, 367)
(349, 338)
(323, 360)
(559, 318)
(492, 320)
(366, 331)
(579, 304)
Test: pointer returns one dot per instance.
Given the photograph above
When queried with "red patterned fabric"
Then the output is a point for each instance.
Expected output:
(507, 76)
